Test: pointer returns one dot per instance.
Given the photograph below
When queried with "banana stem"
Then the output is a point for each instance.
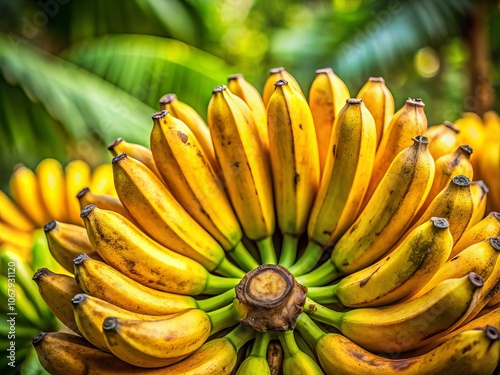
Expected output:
(309, 330)
(324, 274)
(226, 268)
(323, 314)
(288, 250)
(288, 343)
(324, 294)
(259, 348)
(308, 259)
(217, 284)
(240, 335)
(223, 318)
(243, 257)
(267, 251)
(216, 302)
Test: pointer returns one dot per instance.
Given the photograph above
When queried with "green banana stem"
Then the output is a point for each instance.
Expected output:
(288, 343)
(259, 347)
(267, 251)
(323, 314)
(240, 336)
(242, 256)
(308, 259)
(226, 268)
(309, 330)
(216, 302)
(288, 250)
(324, 274)
(223, 318)
(217, 284)
(324, 294)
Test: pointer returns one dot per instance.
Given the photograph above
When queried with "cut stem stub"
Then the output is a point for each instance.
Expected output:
(270, 298)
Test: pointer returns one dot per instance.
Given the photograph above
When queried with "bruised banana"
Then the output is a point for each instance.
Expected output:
(51, 180)
(343, 184)
(195, 184)
(256, 362)
(391, 209)
(275, 75)
(66, 241)
(275, 357)
(486, 228)
(408, 325)
(380, 102)
(294, 163)
(162, 217)
(469, 352)
(57, 290)
(78, 176)
(104, 282)
(296, 362)
(327, 97)
(443, 139)
(247, 177)
(402, 273)
(407, 122)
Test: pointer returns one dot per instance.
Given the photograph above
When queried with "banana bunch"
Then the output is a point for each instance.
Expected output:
(286, 234)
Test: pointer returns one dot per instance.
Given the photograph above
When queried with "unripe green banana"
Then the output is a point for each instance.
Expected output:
(256, 363)
(296, 362)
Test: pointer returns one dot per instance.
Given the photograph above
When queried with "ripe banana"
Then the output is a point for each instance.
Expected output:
(240, 87)
(78, 176)
(294, 164)
(66, 241)
(296, 362)
(275, 75)
(471, 133)
(193, 120)
(247, 177)
(470, 352)
(443, 139)
(13, 216)
(489, 165)
(163, 218)
(407, 325)
(407, 122)
(486, 228)
(480, 197)
(106, 202)
(402, 273)
(51, 180)
(195, 184)
(380, 102)
(16, 238)
(327, 97)
(57, 290)
(344, 181)
(102, 180)
(256, 362)
(391, 209)
(25, 189)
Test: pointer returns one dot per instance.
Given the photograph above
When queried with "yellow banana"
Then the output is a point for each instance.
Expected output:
(136, 151)
(407, 122)
(454, 203)
(380, 102)
(62, 353)
(25, 189)
(472, 133)
(294, 163)
(479, 258)
(443, 139)
(106, 202)
(256, 362)
(470, 352)
(194, 183)
(102, 180)
(487, 227)
(163, 218)
(327, 97)
(489, 165)
(447, 167)
(406, 270)
(51, 181)
(385, 218)
(240, 87)
(104, 282)
(13, 216)
(15, 237)
(296, 362)
(344, 181)
(157, 343)
(67, 241)
(78, 176)
(193, 120)
(247, 176)
(215, 357)
(480, 198)
(146, 261)
(408, 325)
(275, 75)
(57, 290)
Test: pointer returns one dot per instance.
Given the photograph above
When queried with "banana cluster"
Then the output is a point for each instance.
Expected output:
(304, 234)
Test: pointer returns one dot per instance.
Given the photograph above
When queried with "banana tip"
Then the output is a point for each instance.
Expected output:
(376, 79)
(461, 180)
(476, 280)
(168, 98)
(440, 222)
(495, 243)
(451, 126)
(82, 192)
(352, 101)
(49, 226)
(415, 102)
(324, 70)
(491, 332)
(87, 210)
(113, 144)
(467, 149)
(78, 298)
(276, 70)
(219, 88)
(39, 337)
(117, 158)
(236, 76)
(159, 115)
(281, 82)
(110, 324)
(39, 273)
(80, 258)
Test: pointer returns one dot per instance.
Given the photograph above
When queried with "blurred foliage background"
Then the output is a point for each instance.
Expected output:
(75, 74)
